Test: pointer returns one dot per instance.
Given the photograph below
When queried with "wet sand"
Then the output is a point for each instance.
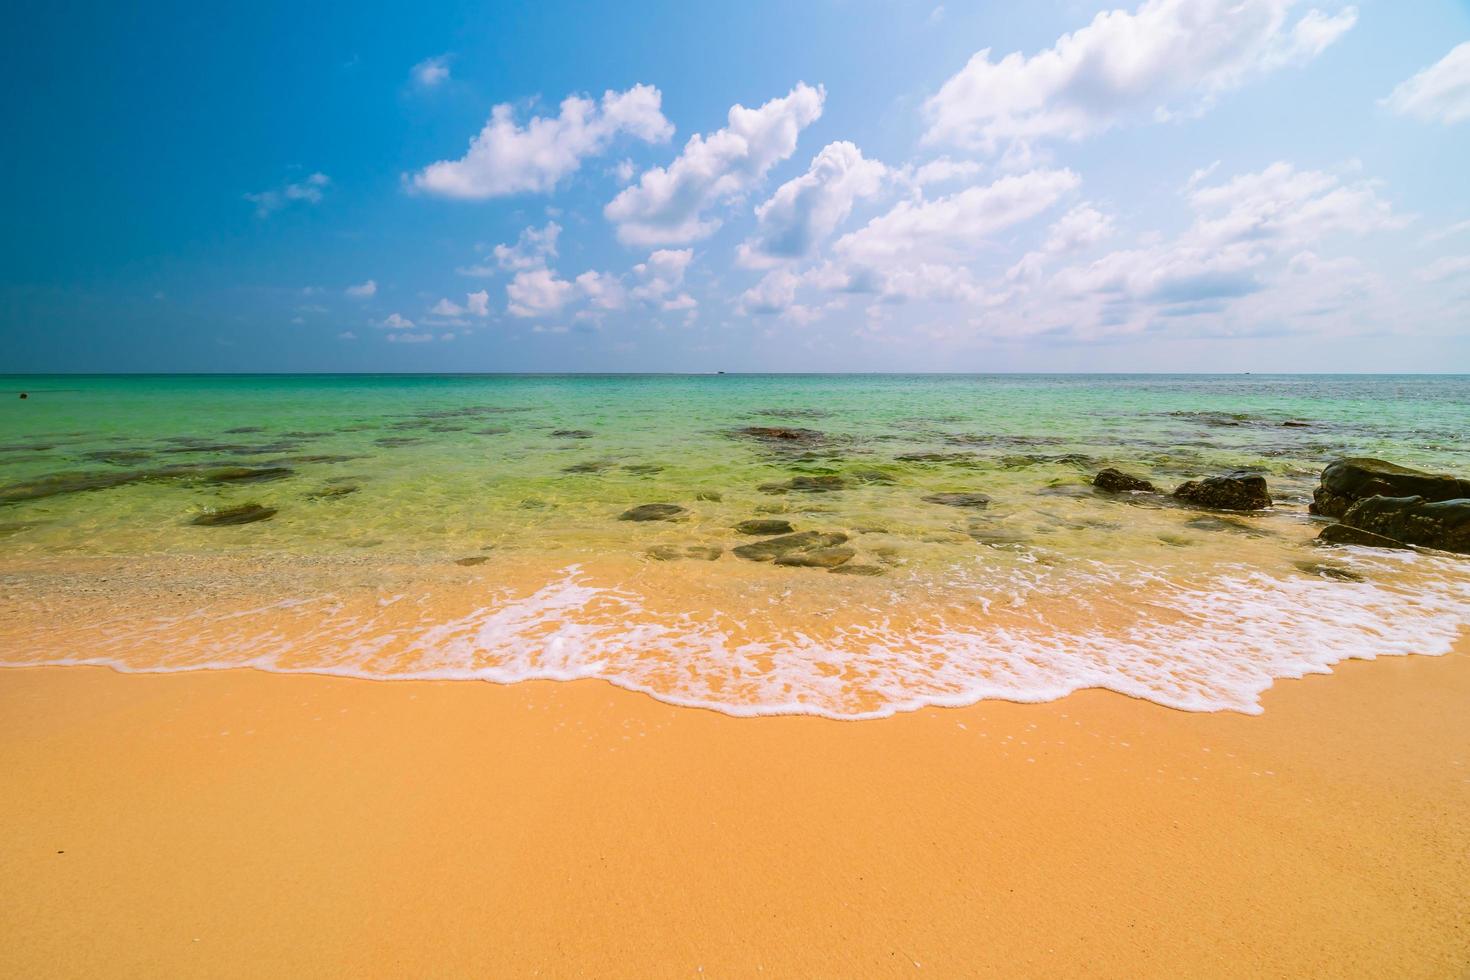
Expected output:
(237, 823)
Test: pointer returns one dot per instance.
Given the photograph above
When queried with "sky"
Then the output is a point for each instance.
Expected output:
(1172, 185)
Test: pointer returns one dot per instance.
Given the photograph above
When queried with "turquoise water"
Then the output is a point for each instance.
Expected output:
(523, 479)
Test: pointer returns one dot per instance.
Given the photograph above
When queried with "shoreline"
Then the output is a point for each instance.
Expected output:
(240, 822)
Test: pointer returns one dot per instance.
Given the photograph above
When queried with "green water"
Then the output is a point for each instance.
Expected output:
(448, 463)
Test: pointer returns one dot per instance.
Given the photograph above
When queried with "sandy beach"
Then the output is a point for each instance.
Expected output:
(239, 823)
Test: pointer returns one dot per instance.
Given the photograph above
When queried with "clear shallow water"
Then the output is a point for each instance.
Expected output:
(381, 484)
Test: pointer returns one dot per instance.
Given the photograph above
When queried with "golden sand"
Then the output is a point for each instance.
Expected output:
(237, 823)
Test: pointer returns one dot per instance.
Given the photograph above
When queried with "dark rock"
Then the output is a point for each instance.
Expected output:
(816, 558)
(856, 570)
(764, 526)
(1234, 491)
(244, 430)
(1346, 481)
(491, 431)
(472, 560)
(393, 442)
(772, 548)
(1335, 572)
(1342, 534)
(826, 483)
(697, 552)
(1116, 481)
(713, 495)
(591, 466)
(1443, 524)
(1293, 424)
(241, 514)
(958, 499)
(572, 434)
(652, 512)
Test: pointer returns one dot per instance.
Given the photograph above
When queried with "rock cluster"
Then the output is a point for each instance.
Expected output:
(1383, 505)
(1346, 481)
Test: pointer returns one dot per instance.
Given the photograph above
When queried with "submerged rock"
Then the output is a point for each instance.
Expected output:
(958, 499)
(856, 570)
(244, 474)
(652, 512)
(816, 557)
(761, 525)
(328, 493)
(712, 495)
(1335, 572)
(773, 548)
(60, 483)
(472, 560)
(696, 552)
(825, 483)
(571, 434)
(1443, 524)
(1343, 534)
(1234, 491)
(1116, 481)
(1346, 481)
(785, 436)
(591, 466)
(241, 514)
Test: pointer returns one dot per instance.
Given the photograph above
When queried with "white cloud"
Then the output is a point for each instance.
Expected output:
(805, 210)
(308, 191)
(431, 72)
(475, 304)
(347, 335)
(1448, 267)
(363, 290)
(667, 205)
(506, 158)
(396, 321)
(1165, 57)
(774, 293)
(410, 338)
(534, 248)
(661, 279)
(957, 224)
(603, 291)
(1439, 93)
(538, 292)
(1079, 228)
(945, 171)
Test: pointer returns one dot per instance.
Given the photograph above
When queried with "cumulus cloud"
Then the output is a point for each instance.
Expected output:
(603, 291)
(538, 292)
(431, 72)
(308, 191)
(1165, 57)
(805, 210)
(1439, 93)
(1079, 228)
(396, 321)
(955, 224)
(668, 204)
(507, 158)
(476, 304)
(363, 290)
(661, 279)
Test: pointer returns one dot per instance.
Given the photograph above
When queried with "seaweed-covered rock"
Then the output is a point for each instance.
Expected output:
(1116, 481)
(764, 525)
(958, 499)
(652, 512)
(773, 548)
(871, 570)
(1234, 491)
(1443, 524)
(332, 492)
(59, 483)
(1346, 481)
(240, 514)
(244, 474)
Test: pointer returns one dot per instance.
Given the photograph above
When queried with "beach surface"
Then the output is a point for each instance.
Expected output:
(242, 823)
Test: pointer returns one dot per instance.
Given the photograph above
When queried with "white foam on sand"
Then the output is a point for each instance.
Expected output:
(1206, 646)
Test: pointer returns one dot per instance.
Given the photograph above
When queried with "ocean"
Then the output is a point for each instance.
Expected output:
(477, 527)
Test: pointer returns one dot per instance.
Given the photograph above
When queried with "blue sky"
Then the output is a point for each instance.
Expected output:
(1176, 185)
